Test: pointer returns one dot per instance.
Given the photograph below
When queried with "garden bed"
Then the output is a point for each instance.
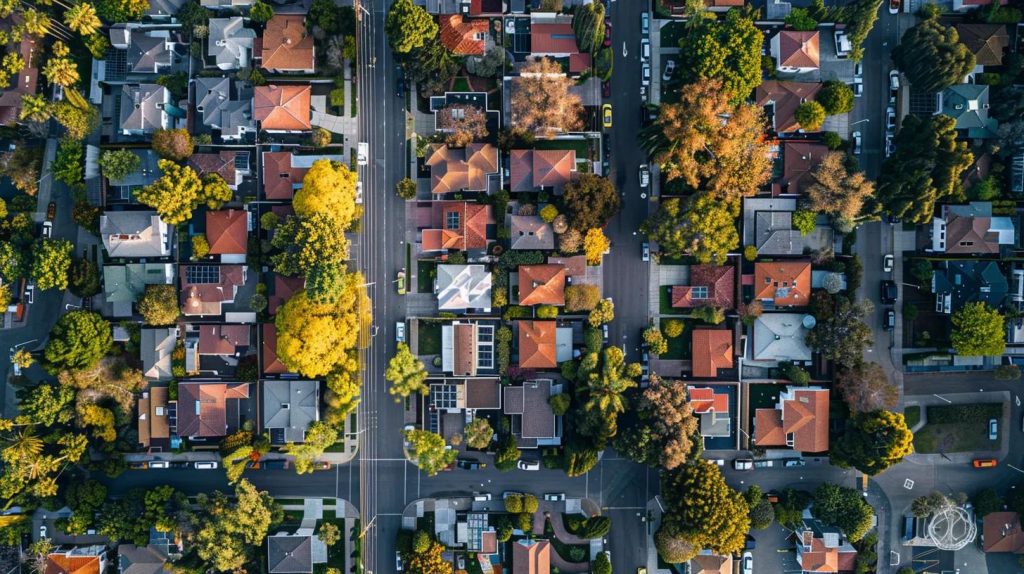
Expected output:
(576, 553)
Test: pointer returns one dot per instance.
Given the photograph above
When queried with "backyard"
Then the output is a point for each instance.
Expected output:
(957, 428)
(429, 342)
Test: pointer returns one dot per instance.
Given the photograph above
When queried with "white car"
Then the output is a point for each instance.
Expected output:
(747, 563)
(858, 70)
(400, 332)
(554, 496)
(362, 153)
(894, 80)
(42, 531)
(856, 143)
(890, 118)
(889, 146)
(743, 464)
(645, 50)
(645, 176)
(528, 465)
(359, 192)
(159, 464)
(47, 229)
(858, 88)
(205, 465)
(645, 75)
(670, 67)
(993, 429)
(887, 263)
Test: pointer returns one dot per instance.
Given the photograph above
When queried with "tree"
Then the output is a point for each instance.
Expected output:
(315, 339)
(570, 242)
(804, 221)
(542, 104)
(109, 380)
(835, 97)
(320, 137)
(762, 513)
(841, 334)
(491, 63)
(595, 244)
(68, 166)
(175, 144)
(799, 19)
(932, 57)
(36, 23)
(602, 381)
(319, 437)
(462, 124)
(590, 201)
(129, 10)
(409, 27)
(200, 246)
(673, 328)
(708, 314)
(588, 26)
(78, 341)
(22, 166)
(706, 230)
(85, 278)
(479, 433)
(666, 427)
(834, 191)
(61, 72)
(51, 262)
(429, 561)
(874, 442)
(603, 312)
(810, 115)
(986, 501)
(406, 189)
(118, 164)
(978, 330)
(329, 533)
(560, 404)
(159, 305)
(328, 187)
(655, 340)
(843, 508)
(429, 451)
(406, 373)
(260, 12)
(82, 18)
(432, 67)
(174, 195)
(309, 243)
(923, 506)
(702, 511)
(581, 297)
(78, 122)
(34, 107)
(231, 530)
(215, 192)
(506, 455)
(865, 388)
(728, 50)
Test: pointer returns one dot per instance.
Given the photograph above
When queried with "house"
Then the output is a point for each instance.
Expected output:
(986, 41)
(202, 408)
(456, 395)
(781, 99)
(227, 232)
(156, 346)
(217, 5)
(768, 225)
(123, 284)
(467, 348)
(289, 554)
(163, 10)
(25, 81)
(712, 350)
(463, 36)
(713, 410)
(123, 189)
(463, 287)
(222, 339)
(959, 282)
(77, 560)
(537, 345)
(223, 163)
(289, 407)
(226, 106)
(229, 43)
(542, 284)
(970, 230)
(823, 549)
(480, 537)
(461, 169)
(457, 225)
(456, 104)
(548, 169)
(710, 286)
(150, 559)
(533, 422)
(149, 52)
(531, 232)
(1001, 532)
(268, 360)
(968, 105)
(206, 288)
(287, 46)
(215, 349)
(795, 52)
(154, 420)
(144, 109)
(799, 159)
(968, 5)
(782, 283)
(780, 337)
(135, 234)
(551, 35)
(283, 108)
(708, 563)
(531, 556)
(283, 289)
(799, 421)
(283, 172)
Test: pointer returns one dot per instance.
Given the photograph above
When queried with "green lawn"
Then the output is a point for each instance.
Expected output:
(671, 33)
(912, 415)
(336, 553)
(678, 348)
(953, 437)
(429, 338)
(461, 84)
(426, 271)
(665, 301)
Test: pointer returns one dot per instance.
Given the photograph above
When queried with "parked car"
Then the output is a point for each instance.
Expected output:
(400, 87)
(887, 263)
(205, 465)
(894, 80)
(470, 464)
(159, 464)
(400, 332)
(554, 497)
(890, 147)
(607, 34)
(748, 563)
(670, 68)
(138, 465)
(51, 210)
(890, 118)
(889, 292)
(30, 294)
(645, 23)
(398, 561)
(606, 116)
(993, 429)
(604, 332)
(645, 75)
(718, 461)
(42, 531)
(606, 89)
(481, 496)
(645, 252)
(890, 319)
(179, 464)
(793, 462)
(644, 173)
(856, 139)
(359, 192)
(645, 50)
(894, 6)
(984, 463)
(322, 465)
(400, 282)
(528, 465)
(743, 464)
(47, 229)
(858, 89)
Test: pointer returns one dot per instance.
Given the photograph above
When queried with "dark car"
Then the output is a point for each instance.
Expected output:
(606, 89)
(51, 210)
(400, 89)
(890, 319)
(274, 464)
(470, 464)
(751, 543)
(888, 292)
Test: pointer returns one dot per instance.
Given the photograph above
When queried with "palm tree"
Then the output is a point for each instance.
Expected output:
(24, 447)
(82, 19)
(61, 72)
(606, 389)
(34, 108)
(36, 23)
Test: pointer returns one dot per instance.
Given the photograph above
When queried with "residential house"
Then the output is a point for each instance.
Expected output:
(206, 288)
(157, 346)
(150, 559)
(223, 163)
(149, 52)
(456, 395)
(531, 232)
(463, 288)
(77, 560)
(968, 5)
(533, 422)
(226, 106)
(227, 232)
(283, 289)
(712, 409)
(531, 556)
(799, 421)
(135, 234)
(202, 408)
(283, 172)
(968, 105)
(986, 41)
(215, 348)
(163, 10)
(461, 169)
(795, 52)
(781, 99)
(780, 337)
(712, 350)
(479, 537)
(283, 108)
(799, 159)
(463, 36)
(455, 225)
(467, 348)
(550, 169)
(823, 549)
(154, 420)
(782, 283)
(551, 35)
(959, 282)
(289, 407)
(1001, 532)
(25, 81)
(290, 554)
(271, 364)
(123, 284)
(144, 109)
(456, 103)
(710, 286)
(708, 563)
(229, 43)
(768, 225)
(542, 284)
(537, 345)
(122, 190)
(970, 230)
(287, 46)
(217, 5)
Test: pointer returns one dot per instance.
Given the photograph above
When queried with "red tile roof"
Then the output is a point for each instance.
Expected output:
(786, 97)
(706, 400)
(720, 282)
(537, 345)
(62, 563)
(465, 344)
(798, 160)
(531, 557)
(542, 284)
(798, 49)
(712, 350)
(553, 38)
(222, 163)
(203, 298)
(202, 407)
(579, 62)
(460, 169)
(802, 420)
(787, 283)
(463, 37)
(222, 339)
(459, 225)
(531, 169)
(286, 45)
(485, 8)
(271, 364)
(284, 288)
(1002, 533)
(283, 108)
(25, 80)
(227, 231)
(279, 177)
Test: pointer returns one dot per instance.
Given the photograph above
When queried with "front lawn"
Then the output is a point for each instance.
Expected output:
(426, 272)
(665, 301)
(671, 33)
(912, 415)
(678, 348)
(957, 428)
(429, 342)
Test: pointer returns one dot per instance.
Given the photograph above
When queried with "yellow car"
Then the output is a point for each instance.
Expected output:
(606, 115)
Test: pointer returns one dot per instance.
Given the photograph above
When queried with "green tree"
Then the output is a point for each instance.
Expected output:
(835, 97)
(174, 195)
(329, 533)
(804, 221)
(706, 230)
(215, 192)
(810, 115)
(78, 122)
(68, 167)
(978, 330)
(406, 189)
(603, 312)
(260, 12)
(588, 25)
(601, 564)
(159, 305)
(841, 334)
(305, 243)
(78, 341)
(406, 373)
(655, 340)
(51, 262)
(479, 433)
(665, 432)
(507, 454)
(118, 164)
(800, 19)
(873, 442)
(324, 15)
(579, 460)
(762, 514)
(728, 49)
(932, 56)
(590, 201)
(673, 328)
(230, 530)
(409, 26)
(844, 508)
(85, 278)
(97, 44)
(986, 501)
(602, 381)
(702, 511)
(325, 284)
(708, 314)
(319, 437)
(175, 144)
(429, 451)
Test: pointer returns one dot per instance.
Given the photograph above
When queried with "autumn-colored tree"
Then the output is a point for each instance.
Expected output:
(159, 305)
(462, 125)
(702, 511)
(78, 122)
(590, 201)
(479, 433)
(581, 297)
(406, 188)
(673, 328)
(542, 103)
(82, 18)
(429, 451)
(51, 261)
(98, 419)
(406, 373)
(110, 379)
(866, 388)
(706, 230)
(175, 144)
(215, 192)
(603, 312)
(570, 242)
(319, 437)
(306, 243)
(38, 24)
(22, 166)
(328, 187)
(595, 244)
(873, 442)
(655, 340)
(34, 107)
(61, 72)
(174, 195)
(664, 414)
(429, 561)
(834, 191)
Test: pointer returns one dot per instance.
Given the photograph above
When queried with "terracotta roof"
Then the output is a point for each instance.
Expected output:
(712, 350)
(271, 364)
(62, 563)
(222, 339)
(461, 169)
(541, 284)
(802, 420)
(531, 557)
(465, 341)
(222, 163)
(986, 41)
(202, 407)
(215, 285)
(284, 288)
(463, 37)
(798, 160)
(816, 557)
(279, 177)
(786, 96)
(579, 62)
(718, 280)
(711, 564)
(552, 38)
(459, 225)
(1002, 533)
(971, 235)
(284, 108)
(227, 231)
(286, 45)
(706, 400)
(798, 49)
(531, 169)
(787, 283)
(537, 345)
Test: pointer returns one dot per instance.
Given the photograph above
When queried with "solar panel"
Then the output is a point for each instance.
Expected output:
(202, 274)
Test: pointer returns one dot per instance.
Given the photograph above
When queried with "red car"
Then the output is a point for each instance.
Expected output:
(607, 34)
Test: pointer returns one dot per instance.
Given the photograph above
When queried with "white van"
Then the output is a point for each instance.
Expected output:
(159, 464)
(205, 465)
(645, 50)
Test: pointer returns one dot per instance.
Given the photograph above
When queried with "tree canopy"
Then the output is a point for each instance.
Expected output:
(841, 334)
(175, 194)
(866, 388)
(590, 201)
(429, 451)
(844, 508)
(666, 428)
(232, 530)
(406, 373)
(328, 187)
(706, 229)
(409, 26)
(835, 191)
(175, 144)
(728, 49)
(588, 25)
(873, 442)
(932, 56)
(978, 331)
(78, 341)
(542, 104)
(602, 380)
(159, 305)
(702, 511)
(835, 97)
(462, 124)
(51, 262)
(118, 164)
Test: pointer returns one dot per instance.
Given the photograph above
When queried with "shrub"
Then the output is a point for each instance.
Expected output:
(1007, 372)
(810, 115)
(595, 527)
(711, 315)
(832, 140)
(836, 97)
(514, 503)
(548, 213)
(581, 297)
(577, 554)
(560, 404)
(750, 252)
(338, 97)
(406, 189)
(547, 312)
(200, 246)
(580, 461)
(530, 504)
(593, 339)
(673, 328)
(525, 521)
(320, 137)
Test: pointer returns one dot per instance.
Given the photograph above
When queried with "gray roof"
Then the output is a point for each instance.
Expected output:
(774, 233)
(148, 172)
(290, 406)
(148, 53)
(780, 337)
(142, 107)
(715, 424)
(135, 234)
(230, 115)
(122, 284)
(957, 283)
(225, 3)
(164, 8)
(157, 345)
(230, 43)
(461, 287)
(289, 554)
(132, 559)
(530, 232)
(968, 105)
